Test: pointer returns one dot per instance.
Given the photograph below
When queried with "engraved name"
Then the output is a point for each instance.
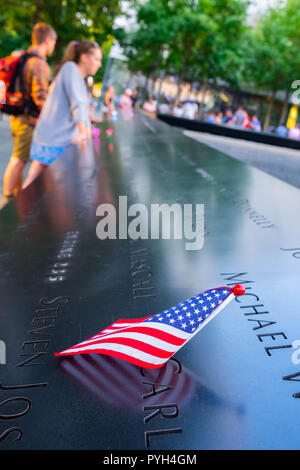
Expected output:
(34, 353)
(141, 273)
(167, 411)
(256, 312)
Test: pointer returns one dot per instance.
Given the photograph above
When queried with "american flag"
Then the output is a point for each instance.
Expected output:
(150, 341)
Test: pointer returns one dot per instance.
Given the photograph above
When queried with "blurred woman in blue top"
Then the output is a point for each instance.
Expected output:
(65, 115)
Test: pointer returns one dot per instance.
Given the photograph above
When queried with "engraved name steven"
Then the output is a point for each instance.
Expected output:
(34, 352)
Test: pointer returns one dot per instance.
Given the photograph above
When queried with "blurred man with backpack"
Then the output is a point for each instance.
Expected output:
(27, 94)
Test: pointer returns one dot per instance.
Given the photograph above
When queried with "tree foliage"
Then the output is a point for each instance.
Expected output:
(201, 38)
(275, 56)
(273, 60)
(71, 19)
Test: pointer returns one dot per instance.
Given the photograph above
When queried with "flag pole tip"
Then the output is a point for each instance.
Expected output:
(239, 289)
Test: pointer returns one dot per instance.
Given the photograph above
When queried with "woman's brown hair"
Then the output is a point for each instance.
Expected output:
(74, 51)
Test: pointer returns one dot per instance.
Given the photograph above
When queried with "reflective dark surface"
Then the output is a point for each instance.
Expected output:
(60, 285)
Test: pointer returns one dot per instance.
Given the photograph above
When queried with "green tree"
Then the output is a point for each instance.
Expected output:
(274, 61)
(71, 19)
(223, 52)
(144, 46)
(175, 28)
(203, 39)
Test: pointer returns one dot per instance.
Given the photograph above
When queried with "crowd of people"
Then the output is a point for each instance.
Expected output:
(189, 109)
(239, 119)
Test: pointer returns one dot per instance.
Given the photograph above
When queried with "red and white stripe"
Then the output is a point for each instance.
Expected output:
(148, 344)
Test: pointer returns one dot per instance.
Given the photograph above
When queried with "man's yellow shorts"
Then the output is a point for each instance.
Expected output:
(22, 137)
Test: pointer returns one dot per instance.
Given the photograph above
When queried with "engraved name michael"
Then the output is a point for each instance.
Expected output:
(256, 313)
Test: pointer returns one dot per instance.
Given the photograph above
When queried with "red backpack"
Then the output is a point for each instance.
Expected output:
(12, 99)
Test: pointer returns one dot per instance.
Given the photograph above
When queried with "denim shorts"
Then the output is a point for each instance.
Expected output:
(45, 154)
